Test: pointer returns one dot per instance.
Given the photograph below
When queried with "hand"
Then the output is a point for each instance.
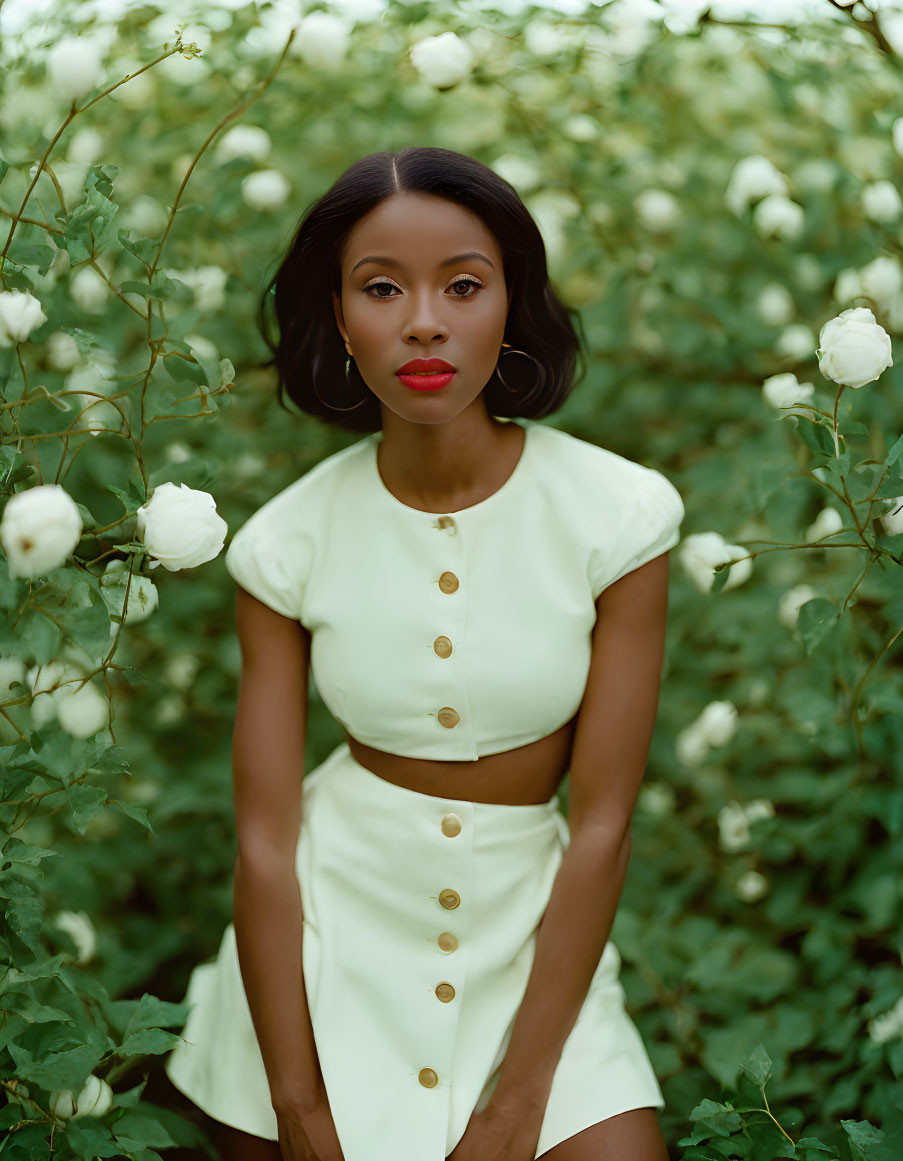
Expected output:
(309, 1134)
(506, 1130)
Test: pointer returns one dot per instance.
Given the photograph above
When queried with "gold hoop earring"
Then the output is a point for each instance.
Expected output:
(333, 406)
(540, 379)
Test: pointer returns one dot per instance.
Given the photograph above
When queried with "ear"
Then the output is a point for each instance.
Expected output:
(339, 316)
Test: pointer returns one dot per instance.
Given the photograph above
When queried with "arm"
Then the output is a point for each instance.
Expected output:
(611, 744)
(267, 765)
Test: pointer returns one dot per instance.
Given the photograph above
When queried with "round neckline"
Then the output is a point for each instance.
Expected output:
(517, 472)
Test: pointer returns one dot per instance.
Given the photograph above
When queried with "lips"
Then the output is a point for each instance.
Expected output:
(425, 367)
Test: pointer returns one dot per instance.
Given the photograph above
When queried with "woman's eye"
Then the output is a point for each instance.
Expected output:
(470, 282)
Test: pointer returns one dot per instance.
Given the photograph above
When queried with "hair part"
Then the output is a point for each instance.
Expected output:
(310, 352)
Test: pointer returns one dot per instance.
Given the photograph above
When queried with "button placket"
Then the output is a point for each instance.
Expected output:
(449, 584)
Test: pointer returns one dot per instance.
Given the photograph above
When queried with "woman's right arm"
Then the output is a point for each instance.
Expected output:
(267, 766)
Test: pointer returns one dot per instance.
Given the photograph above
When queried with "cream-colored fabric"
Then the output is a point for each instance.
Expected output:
(374, 862)
(510, 583)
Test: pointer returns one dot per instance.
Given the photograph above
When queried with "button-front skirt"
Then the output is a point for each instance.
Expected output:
(420, 921)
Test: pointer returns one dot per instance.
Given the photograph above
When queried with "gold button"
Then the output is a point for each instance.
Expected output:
(449, 899)
(448, 582)
(447, 941)
(445, 991)
(451, 825)
(448, 524)
(448, 717)
(442, 646)
(428, 1078)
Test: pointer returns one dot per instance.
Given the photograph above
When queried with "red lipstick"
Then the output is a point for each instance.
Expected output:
(426, 374)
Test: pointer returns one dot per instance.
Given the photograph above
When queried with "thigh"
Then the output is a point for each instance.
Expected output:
(234, 1145)
(631, 1136)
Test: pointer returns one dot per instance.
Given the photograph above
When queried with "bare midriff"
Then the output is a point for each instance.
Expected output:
(527, 774)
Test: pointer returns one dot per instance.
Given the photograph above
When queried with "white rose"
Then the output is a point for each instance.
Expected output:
(657, 798)
(321, 40)
(691, 745)
(62, 351)
(88, 290)
(848, 285)
(39, 529)
(795, 342)
(733, 827)
(889, 1025)
(777, 216)
(143, 595)
(244, 141)
(95, 1098)
(442, 61)
(775, 305)
(581, 127)
(892, 518)
(658, 209)
(718, 722)
(882, 279)
(49, 684)
(62, 1104)
(826, 523)
(752, 178)
(751, 887)
(265, 190)
(20, 314)
(181, 527)
(881, 201)
(208, 284)
(84, 711)
(181, 668)
(853, 348)
(74, 66)
(759, 808)
(145, 216)
(792, 601)
(78, 925)
(784, 389)
(700, 552)
(11, 669)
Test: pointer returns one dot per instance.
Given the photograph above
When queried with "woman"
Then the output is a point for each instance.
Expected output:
(419, 965)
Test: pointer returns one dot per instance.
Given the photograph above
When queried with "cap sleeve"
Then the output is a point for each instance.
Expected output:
(270, 557)
(649, 525)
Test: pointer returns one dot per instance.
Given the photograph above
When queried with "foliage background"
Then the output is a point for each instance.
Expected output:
(583, 114)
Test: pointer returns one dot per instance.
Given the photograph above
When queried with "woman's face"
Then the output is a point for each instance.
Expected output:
(415, 302)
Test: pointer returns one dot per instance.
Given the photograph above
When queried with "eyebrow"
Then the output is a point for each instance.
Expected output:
(448, 261)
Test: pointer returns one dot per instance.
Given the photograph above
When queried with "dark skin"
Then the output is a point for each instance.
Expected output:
(442, 452)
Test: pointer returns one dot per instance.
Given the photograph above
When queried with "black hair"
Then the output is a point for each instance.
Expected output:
(310, 351)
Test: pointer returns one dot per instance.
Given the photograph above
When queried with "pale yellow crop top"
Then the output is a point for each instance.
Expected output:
(453, 636)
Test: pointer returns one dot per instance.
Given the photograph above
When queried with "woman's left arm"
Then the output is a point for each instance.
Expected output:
(611, 744)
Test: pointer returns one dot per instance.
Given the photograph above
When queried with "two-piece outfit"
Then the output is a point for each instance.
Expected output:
(443, 637)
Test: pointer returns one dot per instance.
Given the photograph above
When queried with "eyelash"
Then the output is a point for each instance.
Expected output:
(478, 286)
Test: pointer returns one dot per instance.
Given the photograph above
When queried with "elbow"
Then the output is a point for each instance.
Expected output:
(609, 844)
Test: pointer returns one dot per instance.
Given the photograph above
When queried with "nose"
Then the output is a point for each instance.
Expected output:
(424, 323)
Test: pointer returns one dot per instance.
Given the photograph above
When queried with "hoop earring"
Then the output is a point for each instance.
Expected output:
(540, 379)
(348, 383)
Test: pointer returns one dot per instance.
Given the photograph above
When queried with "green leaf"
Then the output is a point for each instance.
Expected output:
(719, 1119)
(137, 813)
(138, 1128)
(86, 802)
(817, 618)
(24, 253)
(757, 1065)
(148, 1041)
(144, 249)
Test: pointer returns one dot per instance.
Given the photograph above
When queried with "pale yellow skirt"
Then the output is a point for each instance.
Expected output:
(420, 918)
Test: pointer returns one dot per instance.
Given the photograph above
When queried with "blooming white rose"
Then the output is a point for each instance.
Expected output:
(734, 821)
(88, 290)
(784, 389)
(700, 552)
(691, 745)
(881, 202)
(892, 518)
(777, 216)
(181, 527)
(889, 1025)
(143, 595)
(83, 711)
(39, 530)
(854, 349)
(752, 178)
(20, 314)
(882, 279)
(442, 61)
(718, 722)
(74, 66)
(826, 523)
(62, 351)
(775, 305)
(751, 886)
(658, 209)
(795, 342)
(208, 284)
(792, 601)
(244, 141)
(266, 189)
(78, 925)
(321, 40)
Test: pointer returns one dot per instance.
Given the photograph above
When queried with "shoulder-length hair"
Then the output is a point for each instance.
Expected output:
(310, 355)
